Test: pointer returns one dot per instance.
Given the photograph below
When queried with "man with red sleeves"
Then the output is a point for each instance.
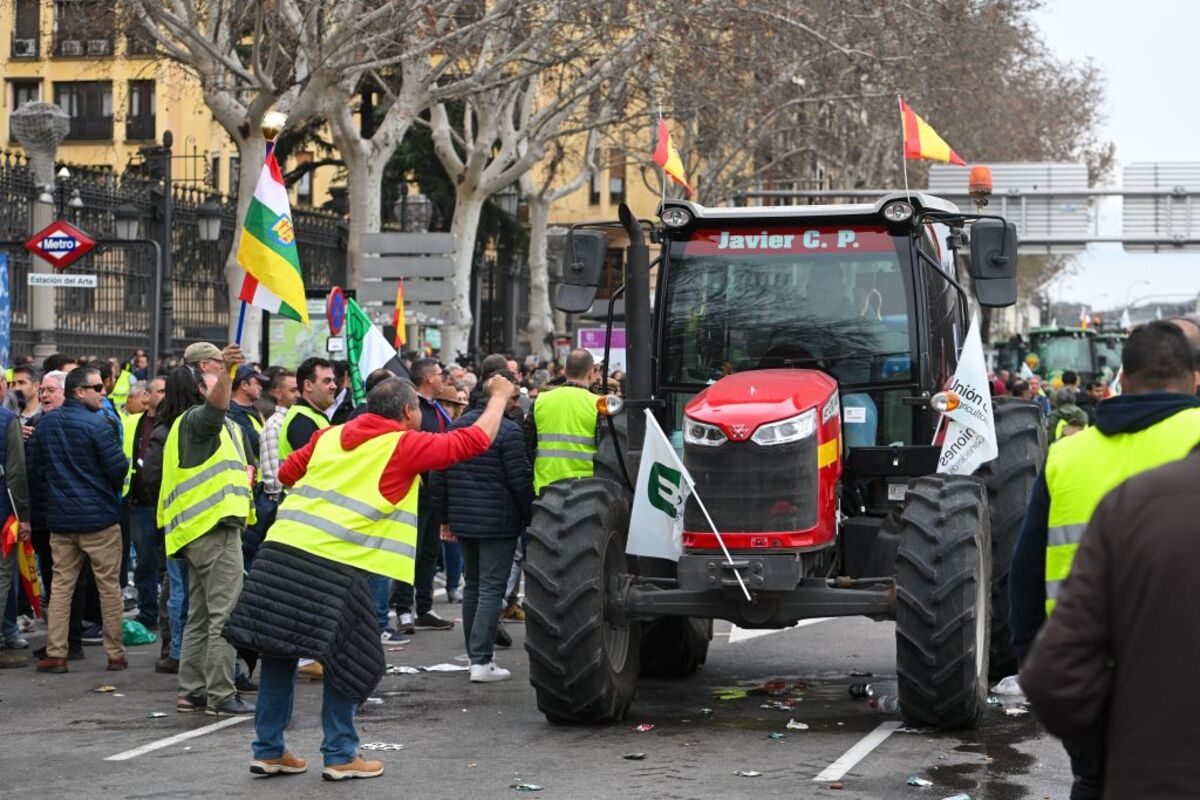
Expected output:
(351, 511)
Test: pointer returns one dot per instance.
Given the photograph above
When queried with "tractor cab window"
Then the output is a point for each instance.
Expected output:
(834, 298)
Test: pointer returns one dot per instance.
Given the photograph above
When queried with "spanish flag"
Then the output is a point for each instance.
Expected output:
(398, 321)
(922, 141)
(267, 250)
(667, 157)
(26, 563)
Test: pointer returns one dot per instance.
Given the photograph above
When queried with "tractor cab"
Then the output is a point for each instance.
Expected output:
(795, 357)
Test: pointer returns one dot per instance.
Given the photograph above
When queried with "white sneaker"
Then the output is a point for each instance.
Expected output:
(490, 672)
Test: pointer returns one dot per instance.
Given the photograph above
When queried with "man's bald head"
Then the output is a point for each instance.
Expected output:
(579, 365)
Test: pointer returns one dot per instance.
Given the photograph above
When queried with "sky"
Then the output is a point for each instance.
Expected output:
(1147, 51)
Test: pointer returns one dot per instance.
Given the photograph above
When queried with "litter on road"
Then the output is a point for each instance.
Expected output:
(380, 746)
(747, 773)
(525, 787)
(1009, 686)
(104, 689)
(634, 756)
(916, 780)
(645, 727)
(797, 726)
(774, 735)
(156, 715)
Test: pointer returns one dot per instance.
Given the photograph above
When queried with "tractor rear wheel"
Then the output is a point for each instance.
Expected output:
(582, 667)
(674, 647)
(1009, 479)
(943, 593)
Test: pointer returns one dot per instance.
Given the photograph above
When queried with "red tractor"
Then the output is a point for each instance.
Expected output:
(795, 356)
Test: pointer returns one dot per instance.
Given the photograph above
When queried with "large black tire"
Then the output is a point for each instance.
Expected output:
(583, 668)
(943, 570)
(1009, 479)
(674, 647)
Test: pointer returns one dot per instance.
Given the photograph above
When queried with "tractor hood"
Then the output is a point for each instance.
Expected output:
(741, 402)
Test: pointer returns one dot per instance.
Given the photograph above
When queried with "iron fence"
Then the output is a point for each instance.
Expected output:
(117, 316)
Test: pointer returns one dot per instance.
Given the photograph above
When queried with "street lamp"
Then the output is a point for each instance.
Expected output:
(128, 222)
(508, 199)
(208, 217)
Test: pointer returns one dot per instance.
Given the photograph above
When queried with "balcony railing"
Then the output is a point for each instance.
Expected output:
(25, 46)
(83, 45)
(91, 128)
(140, 128)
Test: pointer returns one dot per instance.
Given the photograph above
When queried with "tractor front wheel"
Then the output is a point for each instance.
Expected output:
(943, 599)
(583, 668)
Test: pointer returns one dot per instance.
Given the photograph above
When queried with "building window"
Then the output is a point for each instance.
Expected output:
(304, 186)
(235, 174)
(616, 177)
(26, 39)
(594, 188)
(139, 120)
(84, 28)
(214, 172)
(20, 93)
(89, 104)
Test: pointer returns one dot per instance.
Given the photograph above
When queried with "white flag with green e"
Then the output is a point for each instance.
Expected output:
(662, 490)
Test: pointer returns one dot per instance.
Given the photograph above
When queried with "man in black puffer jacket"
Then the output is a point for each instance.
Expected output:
(487, 503)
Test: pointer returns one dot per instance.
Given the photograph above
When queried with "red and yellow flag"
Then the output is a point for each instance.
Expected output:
(667, 157)
(26, 562)
(401, 337)
(922, 141)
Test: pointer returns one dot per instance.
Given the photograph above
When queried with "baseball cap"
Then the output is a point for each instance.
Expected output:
(201, 351)
(245, 372)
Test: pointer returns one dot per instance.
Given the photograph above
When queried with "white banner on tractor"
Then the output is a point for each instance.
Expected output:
(663, 487)
(971, 431)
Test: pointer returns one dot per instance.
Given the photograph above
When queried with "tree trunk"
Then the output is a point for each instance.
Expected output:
(541, 315)
(253, 152)
(365, 182)
(465, 228)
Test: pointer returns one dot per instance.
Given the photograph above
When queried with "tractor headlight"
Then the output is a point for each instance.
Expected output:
(898, 211)
(792, 429)
(675, 217)
(702, 433)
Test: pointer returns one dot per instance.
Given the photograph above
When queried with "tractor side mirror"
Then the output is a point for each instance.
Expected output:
(583, 271)
(994, 262)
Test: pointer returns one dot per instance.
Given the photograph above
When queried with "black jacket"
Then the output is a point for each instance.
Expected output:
(297, 605)
(492, 494)
(76, 461)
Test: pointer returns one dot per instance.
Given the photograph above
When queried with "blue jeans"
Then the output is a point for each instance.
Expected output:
(452, 557)
(488, 562)
(381, 590)
(273, 712)
(8, 625)
(177, 605)
(143, 530)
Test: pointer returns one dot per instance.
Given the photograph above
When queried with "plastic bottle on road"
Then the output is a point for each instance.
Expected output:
(887, 703)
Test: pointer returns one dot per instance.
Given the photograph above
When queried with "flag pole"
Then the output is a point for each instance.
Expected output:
(720, 541)
(662, 170)
(903, 157)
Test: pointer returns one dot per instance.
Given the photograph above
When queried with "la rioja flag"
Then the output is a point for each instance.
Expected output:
(971, 430)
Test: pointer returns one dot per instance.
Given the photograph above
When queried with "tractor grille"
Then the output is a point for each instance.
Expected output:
(750, 488)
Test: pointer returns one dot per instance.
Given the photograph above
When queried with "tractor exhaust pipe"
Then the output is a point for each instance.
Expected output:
(638, 346)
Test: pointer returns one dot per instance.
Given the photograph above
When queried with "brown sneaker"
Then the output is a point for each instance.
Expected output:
(11, 660)
(287, 764)
(167, 665)
(313, 671)
(513, 612)
(118, 664)
(358, 768)
(52, 665)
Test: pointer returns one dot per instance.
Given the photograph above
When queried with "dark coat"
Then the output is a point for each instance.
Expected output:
(492, 494)
(76, 460)
(1111, 667)
(297, 605)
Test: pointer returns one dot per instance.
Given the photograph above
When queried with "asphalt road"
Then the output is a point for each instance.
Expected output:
(477, 741)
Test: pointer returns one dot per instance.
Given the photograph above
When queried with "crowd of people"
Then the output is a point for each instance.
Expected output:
(182, 502)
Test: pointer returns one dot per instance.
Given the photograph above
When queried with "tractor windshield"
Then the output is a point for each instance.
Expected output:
(833, 298)
(1064, 351)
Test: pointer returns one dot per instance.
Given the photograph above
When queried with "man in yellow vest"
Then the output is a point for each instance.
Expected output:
(1154, 421)
(351, 512)
(563, 431)
(141, 506)
(306, 416)
(247, 388)
(204, 503)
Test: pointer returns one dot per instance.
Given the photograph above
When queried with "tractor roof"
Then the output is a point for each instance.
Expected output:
(918, 199)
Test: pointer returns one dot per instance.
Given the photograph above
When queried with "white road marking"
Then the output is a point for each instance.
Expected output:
(737, 634)
(176, 739)
(858, 752)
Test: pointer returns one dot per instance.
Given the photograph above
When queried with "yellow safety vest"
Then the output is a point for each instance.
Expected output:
(565, 419)
(129, 442)
(120, 391)
(193, 500)
(1082, 469)
(297, 410)
(336, 511)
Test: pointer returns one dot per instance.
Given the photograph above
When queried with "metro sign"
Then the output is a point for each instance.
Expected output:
(60, 243)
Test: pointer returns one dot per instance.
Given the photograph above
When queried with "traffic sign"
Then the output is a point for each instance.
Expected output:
(60, 243)
(335, 310)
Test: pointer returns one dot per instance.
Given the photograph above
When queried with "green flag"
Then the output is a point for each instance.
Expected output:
(367, 349)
